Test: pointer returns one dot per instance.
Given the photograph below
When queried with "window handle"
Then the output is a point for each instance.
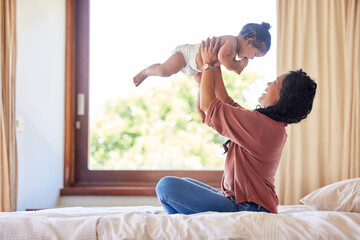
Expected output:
(77, 124)
(80, 108)
(80, 104)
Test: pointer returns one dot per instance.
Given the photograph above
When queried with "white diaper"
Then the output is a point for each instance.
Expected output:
(189, 52)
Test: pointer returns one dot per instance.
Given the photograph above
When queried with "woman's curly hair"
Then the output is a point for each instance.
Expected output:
(296, 100)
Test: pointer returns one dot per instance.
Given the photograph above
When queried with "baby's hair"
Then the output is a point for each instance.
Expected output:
(260, 33)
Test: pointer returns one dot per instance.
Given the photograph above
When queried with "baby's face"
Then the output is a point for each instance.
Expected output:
(250, 52)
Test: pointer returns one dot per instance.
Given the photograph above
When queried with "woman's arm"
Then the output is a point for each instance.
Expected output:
(220, 90)
(209, 53)
(207, 90)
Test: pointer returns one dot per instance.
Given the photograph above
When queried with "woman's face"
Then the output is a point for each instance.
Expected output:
(272, 93)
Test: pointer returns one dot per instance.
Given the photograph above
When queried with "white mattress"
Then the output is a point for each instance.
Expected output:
(147, 222)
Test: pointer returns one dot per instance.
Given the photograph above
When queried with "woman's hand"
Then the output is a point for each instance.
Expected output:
(209, 50)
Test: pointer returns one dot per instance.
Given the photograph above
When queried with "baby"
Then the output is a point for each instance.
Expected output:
(254, 40)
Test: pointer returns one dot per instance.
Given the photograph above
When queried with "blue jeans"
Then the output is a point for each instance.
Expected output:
(189, 196)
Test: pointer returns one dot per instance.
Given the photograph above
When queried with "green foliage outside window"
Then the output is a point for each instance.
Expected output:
(160, 130)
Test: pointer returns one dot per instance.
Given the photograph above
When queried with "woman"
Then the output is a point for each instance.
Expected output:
(256, 140)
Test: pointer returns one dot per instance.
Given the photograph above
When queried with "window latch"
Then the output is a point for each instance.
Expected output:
(80, 104)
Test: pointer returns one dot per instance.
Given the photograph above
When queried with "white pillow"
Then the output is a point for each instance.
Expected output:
(340, 196)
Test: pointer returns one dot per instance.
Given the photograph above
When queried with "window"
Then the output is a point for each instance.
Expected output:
(83, 174)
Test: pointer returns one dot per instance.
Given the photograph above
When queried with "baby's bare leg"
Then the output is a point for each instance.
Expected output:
(171, 66)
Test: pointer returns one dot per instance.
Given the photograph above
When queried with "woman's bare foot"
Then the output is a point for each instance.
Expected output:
(139, 78)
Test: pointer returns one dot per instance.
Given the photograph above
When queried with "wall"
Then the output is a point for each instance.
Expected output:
(40, 101)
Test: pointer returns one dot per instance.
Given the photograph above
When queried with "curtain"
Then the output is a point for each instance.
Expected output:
(8, 151)
(323, 38)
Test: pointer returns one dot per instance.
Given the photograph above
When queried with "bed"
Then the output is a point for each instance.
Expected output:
(331, 212)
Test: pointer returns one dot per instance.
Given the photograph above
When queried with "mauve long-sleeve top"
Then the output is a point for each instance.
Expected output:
(254, 152)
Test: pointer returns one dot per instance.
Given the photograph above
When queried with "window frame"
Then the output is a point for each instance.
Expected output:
(78, 179)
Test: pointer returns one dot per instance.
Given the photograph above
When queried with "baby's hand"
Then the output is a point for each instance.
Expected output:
(241, 64)
(244, 62)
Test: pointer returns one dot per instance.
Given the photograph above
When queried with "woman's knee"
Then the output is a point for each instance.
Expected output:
(165, 184)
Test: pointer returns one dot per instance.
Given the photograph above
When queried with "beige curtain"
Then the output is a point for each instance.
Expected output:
(323, 38)
(8, 152)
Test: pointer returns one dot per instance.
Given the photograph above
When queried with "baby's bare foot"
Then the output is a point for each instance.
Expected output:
(139, 78)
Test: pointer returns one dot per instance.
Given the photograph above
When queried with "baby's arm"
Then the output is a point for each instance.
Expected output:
(227, 54)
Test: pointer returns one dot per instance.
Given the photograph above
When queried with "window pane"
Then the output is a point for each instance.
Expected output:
(154, 126)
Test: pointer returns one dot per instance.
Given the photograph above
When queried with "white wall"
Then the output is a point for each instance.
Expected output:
(40, 101)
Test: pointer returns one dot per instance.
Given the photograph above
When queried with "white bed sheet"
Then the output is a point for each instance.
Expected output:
(148, 222)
